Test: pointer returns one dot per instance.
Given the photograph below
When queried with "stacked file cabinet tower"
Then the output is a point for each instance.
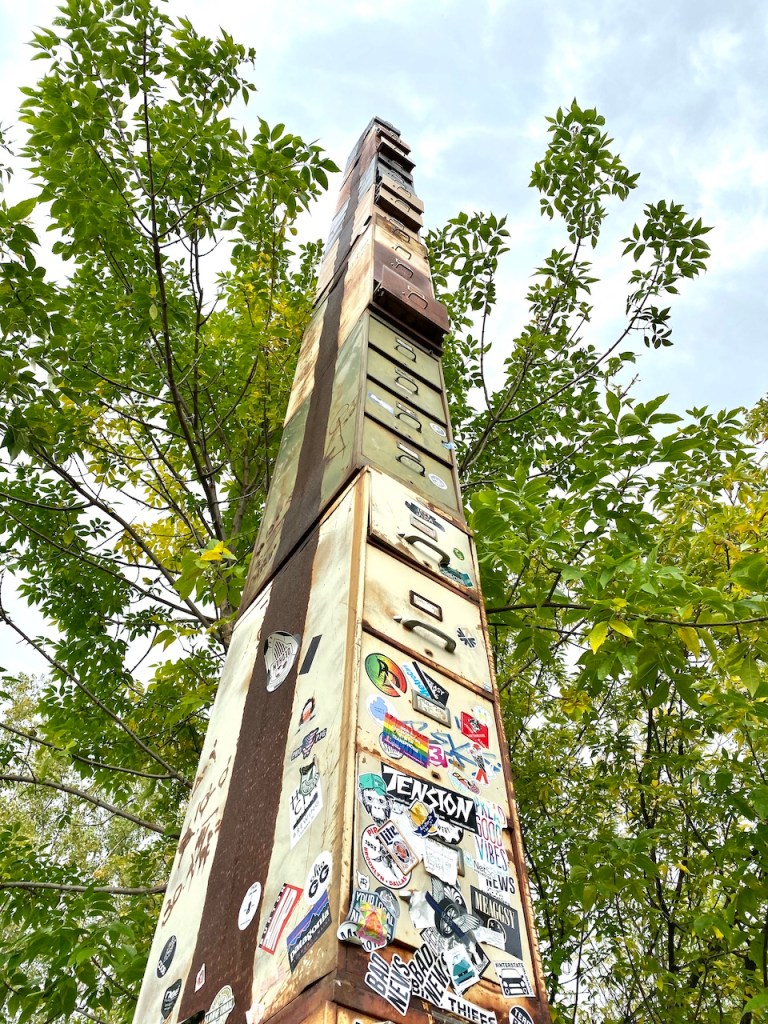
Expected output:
(351, 851)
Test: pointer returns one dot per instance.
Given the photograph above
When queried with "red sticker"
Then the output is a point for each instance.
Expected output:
(474, 729)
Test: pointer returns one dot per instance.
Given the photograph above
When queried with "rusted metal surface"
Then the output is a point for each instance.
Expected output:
(351, 852)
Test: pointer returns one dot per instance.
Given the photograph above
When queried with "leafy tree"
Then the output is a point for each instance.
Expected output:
(143, 390)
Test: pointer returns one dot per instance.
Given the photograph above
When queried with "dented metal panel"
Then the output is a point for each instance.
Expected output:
(397, 206)
(412, 306)
(417, 360)
(405, 522)
(409, 423)
(402, 381)
(405, 462)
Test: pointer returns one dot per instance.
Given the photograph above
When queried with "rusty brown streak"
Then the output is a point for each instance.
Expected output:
(248, 827)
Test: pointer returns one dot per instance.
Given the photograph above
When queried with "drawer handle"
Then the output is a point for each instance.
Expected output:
(405, 349)
(415, 538)
(410, 385)
(450, 643)
(406, 414)
(406, 459)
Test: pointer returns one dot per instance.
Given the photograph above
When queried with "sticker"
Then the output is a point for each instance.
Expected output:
(459, 554)
(424, 515)
(455, 576)
(490, 881)
(425, 605)
(384, 405)
(462, 970)
(425, 684)
(308, 930)
(422, 818)
(309, 657)
(372, 792)
(363, 881)
(474, 729)
(369, 921)
(466, 637)
(406, 740)
(425, 706)
(319, 877)
(438, 481)
(200, 978)
(421, 913)
(249, 906)
(391, 981)
(223, 1004)
(379, 708)
(380, 862)
(306, 801)
(453, 808)
(429, 975)
(287, 899)
(385, 675)
(513, 978)
(305, 747)
(448, 445)
(166, 957)
(499, 917)
(170, 996)
(394, 842)
(517, 1015)
(441, 861)
(440, 431)
(489, 841)
(280, 651)
(470, 1011)
(307, 713)
(482, 762)
(465, 783)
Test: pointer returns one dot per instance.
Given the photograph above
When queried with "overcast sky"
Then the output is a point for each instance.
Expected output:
(682, 84)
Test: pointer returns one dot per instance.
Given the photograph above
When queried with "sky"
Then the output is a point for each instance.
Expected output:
(682, 86)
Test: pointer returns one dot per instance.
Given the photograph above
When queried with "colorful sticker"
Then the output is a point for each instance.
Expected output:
(166, 957)
(307, 713)
(319, 877)
(372, 793)
(489, 840)
(280, 652)
(369, 922)
(396, 845)
(386, 675)
(378, 708)
(249, 906)
(223, 1004)
(462, 970)
(456, 576)
(380, 862)
(410, 743)
(308, 931)
(474, 729)
(425, 684)
(305, 747)
(286, 900)
(305, 802)
(391, 981)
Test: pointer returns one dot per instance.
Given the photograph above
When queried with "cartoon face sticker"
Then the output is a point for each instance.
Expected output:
(373, 796)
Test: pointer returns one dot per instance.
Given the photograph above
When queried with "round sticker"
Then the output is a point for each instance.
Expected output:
(249, 906)
(379, 862)
(223, 1004)
(385, 675)
(280, 652)
(459, 554)
(319, 878)
(379, 708)
(440, 431)
(389, 748)
(438, 481)
(517, 1015)
(166, 957)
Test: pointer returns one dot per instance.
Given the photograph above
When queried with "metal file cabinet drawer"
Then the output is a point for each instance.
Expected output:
(404, 351)
(404, 521)
(435, 726)
(410, 423)
(390, 453)
(406, 384)
(416, 612)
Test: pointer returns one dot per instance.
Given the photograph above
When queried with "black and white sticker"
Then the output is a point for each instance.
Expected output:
(166, 957)
(249, 906)
(280, 652)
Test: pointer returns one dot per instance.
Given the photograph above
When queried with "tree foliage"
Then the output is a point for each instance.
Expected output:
(145, 364)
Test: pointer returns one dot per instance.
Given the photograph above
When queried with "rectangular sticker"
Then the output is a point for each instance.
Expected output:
(305, 803)
(453, 808)
(278, 917)
(405, 740)
(308, 931)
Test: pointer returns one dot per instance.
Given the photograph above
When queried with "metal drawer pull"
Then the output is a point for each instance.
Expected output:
(406, 459)
(410, 385)
(411, 624)
(414, 538)
(406, 414)
(405, 349)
